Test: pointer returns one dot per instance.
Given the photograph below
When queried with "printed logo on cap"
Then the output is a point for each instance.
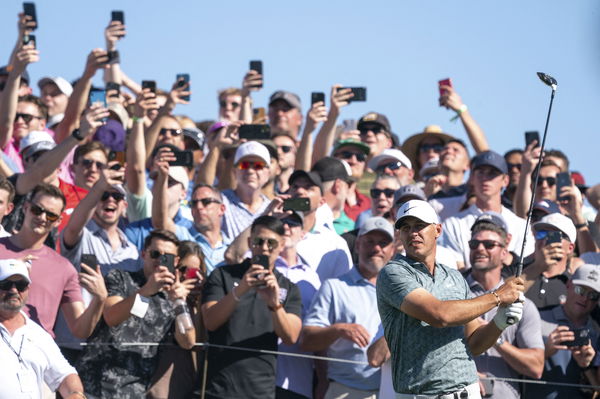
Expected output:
(370, 117)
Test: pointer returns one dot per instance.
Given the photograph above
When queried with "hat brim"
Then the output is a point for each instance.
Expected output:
(311, 176)
(410, 147)
(357, 144)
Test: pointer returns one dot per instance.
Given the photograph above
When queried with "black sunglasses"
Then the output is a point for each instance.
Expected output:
(38, 210)
(391, 166)
(21, 285)
(285, 148)
(364, 130)
(117, 196)
(429, 147)
(579, 290)
(234, 104)
(271, 242)
(154, 254)
(26, 117)
(88, 163)
(513, 165)
(204, 201)
(487, 244)
(360, 156)
(375, 192)
(550, 180)
(173, 132)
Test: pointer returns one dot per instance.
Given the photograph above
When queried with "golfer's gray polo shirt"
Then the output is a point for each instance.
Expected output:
(425, 359)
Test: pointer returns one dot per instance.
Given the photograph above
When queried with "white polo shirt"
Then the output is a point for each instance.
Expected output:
(31, 359)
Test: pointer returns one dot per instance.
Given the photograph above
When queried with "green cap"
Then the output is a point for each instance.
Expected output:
(362, 146)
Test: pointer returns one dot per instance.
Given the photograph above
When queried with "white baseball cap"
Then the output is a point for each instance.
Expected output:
(419, 209)
(62, 84)
(12, 267)
(390, 155)
(588, 275)
(560, 222)
(252, 148)
(37, 140)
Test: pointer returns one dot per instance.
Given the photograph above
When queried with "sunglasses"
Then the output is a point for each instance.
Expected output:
(360, 157)
(285, 148)
(550, 180)
(388, 192)
(154, 254)
(543, 234)
(514, 165)
(173, 132)
(26, 117)
(38, 210)
(487, 244)
(291, 222)
(204, 201)
(21, 285)
(117, 196)
(259, 242)
(364, 130)
(234, 104)
(579, 290)
(88, 163)
(391, 166)
(429, 147)
(256, 165)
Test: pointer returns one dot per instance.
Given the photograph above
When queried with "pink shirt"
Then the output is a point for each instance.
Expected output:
(12, 152)
(54, 281)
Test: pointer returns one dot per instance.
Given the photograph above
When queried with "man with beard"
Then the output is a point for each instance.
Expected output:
(341, 320)
(29, 355)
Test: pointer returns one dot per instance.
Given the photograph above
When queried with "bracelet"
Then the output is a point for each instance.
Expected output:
(237, 298)
(275, 308)
(137, 118)
(498, 302)
(80, 394)
(581, 225)
(459, 111)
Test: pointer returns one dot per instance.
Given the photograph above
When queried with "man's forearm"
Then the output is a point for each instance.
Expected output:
(483, 338)
(523, 195)
(208, 168)
(216, 314)
(526, 361)
(324, 140)
(475, 133)
(81, 215)
(8, 108)
(86, 322)
(75, 107)
(71, 387)
(287, 326)
(313, 338)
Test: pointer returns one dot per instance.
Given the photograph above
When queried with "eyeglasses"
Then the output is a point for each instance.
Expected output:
(204, 201)
(591, 295)
(26, 117)
(430, 147)
(543, 234)
(154, 254)
(364, 130)
(391, 166)
(21, 285)
(259, 242)
(234, 104)
(285, 148)
(291, 222)
(514, 165)
(173, 132)
(550, 180)
(117, 196)
(360, 157)
(256, 165)
(487, 244)
(88, 163)
(38, 210)
(388, 192)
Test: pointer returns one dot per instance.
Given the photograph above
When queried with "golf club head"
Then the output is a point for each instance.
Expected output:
(548, 80)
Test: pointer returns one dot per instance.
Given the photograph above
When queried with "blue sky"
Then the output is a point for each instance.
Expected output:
(397, 49)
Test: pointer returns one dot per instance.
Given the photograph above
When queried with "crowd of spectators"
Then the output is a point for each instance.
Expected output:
(172, 258)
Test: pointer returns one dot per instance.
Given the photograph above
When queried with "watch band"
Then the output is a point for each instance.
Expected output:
(77, 134)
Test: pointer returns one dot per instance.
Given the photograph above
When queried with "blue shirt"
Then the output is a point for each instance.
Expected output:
(213, 257)
(237, 216)
(349, 298)
(136, 232)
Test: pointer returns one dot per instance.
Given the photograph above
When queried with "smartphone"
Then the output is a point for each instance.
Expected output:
(118, 16)
(29, 9)
(149, 84)
(255, 132)
(191, 273)
(488, 386)
(99, 96)
(317, 96)
(296, 204)
(182, 80)
(444, 82)
(262, 260)
(183, 158)
(582, 337)
(90, 260)
(168, 260)
(553, 237)
(114, 89)
(257, 66)
(113, 57)
(563, 179)
(360, 93)
(530, 137)
(349, 125)
(29, 39)
(259, 114)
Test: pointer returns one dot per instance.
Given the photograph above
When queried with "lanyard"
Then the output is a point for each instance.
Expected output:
(18, 354)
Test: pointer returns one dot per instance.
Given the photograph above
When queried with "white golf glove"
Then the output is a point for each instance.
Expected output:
(513, 312)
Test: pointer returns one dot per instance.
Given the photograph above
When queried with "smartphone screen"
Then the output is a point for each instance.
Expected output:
(530, 137)
(296, 204)
(444, 82)
(149, 84)
(29, 39)
(182, 80)
(29, 9)
(257, 66)
(317, 96)
(563, 179)
(255, 132)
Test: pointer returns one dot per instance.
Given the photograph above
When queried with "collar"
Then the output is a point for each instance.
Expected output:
(96, 230)
(356, 277)
(420, 265)
(475, 286)
(280, 262)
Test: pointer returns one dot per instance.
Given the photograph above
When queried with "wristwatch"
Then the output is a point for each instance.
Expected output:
(499, 342)
(77, 134)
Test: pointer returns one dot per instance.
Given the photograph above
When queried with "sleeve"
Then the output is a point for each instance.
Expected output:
(72, 290)
(293, 302)
(529, 332)
(58, 367)
(74, 254)
(115, 283)
(394, 283)
(214, 289)
(321, 312)
(451, 238)
(139, 207)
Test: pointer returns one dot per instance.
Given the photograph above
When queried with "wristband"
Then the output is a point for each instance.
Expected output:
(459, 111)
(581, 225)
(498, 302)
(77, 135)
(137, 118)
(140, 306)
(237, 298)
(275, 308)
(113, 57)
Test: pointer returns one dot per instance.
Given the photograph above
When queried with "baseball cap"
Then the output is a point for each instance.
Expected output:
(546, 206)
(588, 275)
(179, 174)
(252, 148)
(64, 86)
(35, 141)
(352, 142)
(374, 117)
(419, 209)
(390, 155)
(493, 218)
(4, 72)
(430, 167)
(560, 222)
(313, 177)
(112, 134)
(292, 99)
(579, 180)
(216, 126)
(12, 267)
(410, 190)
(377, 223)
(195, 134)
(295, 215)
(330, 168)
(489, 158)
